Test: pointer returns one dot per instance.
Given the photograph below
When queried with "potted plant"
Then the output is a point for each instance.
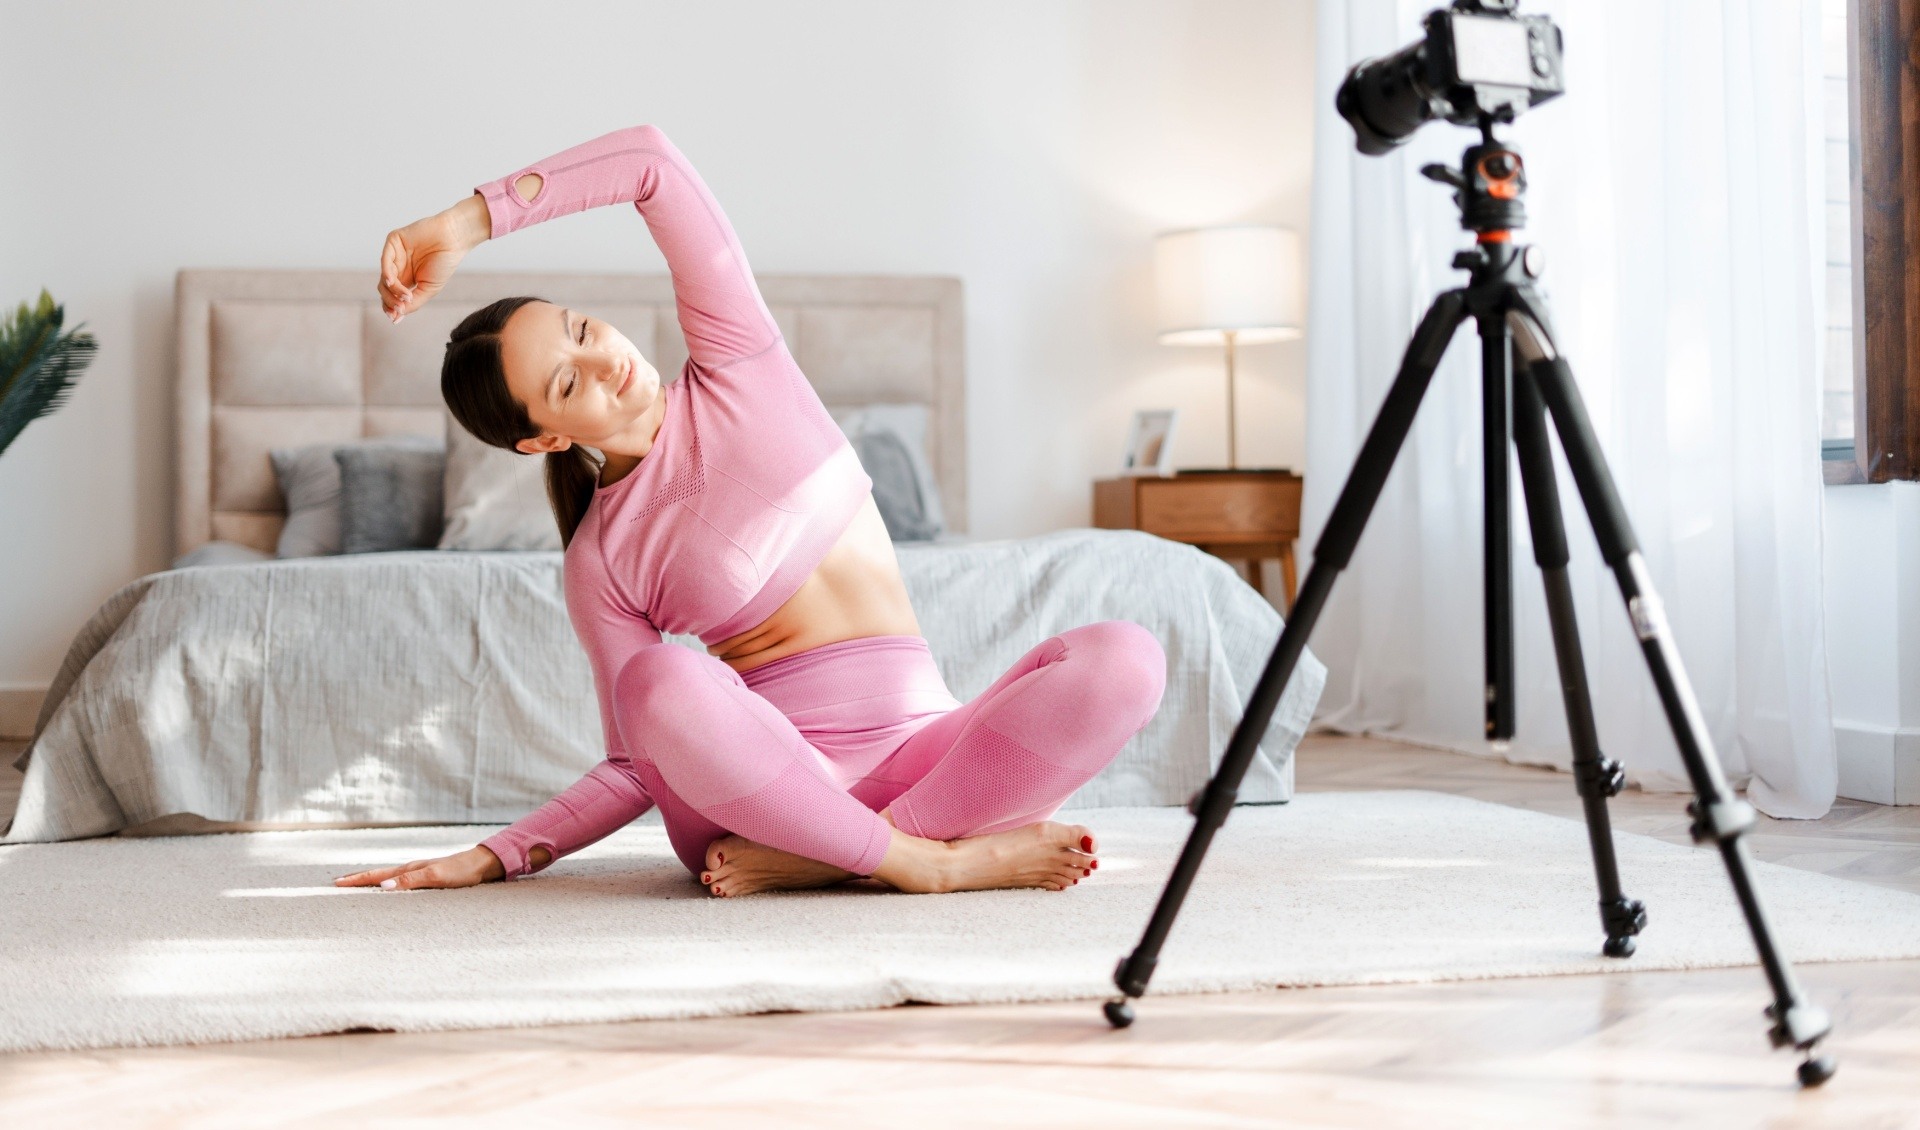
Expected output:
(39, 365)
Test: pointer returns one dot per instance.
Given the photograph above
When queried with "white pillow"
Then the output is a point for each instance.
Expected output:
(909, 423)
(495, 498)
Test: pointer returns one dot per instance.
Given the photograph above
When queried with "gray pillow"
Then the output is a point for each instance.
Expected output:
(390, 497)
(310, 483)
(921, 518)
(896, 491)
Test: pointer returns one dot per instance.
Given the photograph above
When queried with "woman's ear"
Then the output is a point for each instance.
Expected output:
(542, 444)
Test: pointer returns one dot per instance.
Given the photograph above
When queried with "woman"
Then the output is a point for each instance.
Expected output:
(815, 742)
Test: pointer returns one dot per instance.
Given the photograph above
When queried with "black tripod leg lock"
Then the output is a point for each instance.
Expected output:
(1603, 778)
(1720, 820)
(1133, 973)
(1801, 1026)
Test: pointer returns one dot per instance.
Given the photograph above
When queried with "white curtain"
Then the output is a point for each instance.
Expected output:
(1676, 189)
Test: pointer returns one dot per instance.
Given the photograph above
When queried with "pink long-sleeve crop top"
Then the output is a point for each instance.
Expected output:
(749, 482)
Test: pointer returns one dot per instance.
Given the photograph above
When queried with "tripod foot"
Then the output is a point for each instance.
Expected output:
(1623, 918)
(1120, 1013)
(1817, 1070)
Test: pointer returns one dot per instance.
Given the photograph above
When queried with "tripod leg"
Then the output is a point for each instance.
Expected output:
(1718, 815)
(1595, 776)
(1331, 554)
(1496, 355)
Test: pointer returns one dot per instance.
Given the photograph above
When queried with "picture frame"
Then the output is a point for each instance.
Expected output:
(1150, 442)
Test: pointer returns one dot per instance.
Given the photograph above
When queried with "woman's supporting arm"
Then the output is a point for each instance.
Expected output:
(721, 311)
(599, 804)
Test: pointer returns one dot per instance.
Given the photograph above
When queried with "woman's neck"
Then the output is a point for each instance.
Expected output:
(623, 451)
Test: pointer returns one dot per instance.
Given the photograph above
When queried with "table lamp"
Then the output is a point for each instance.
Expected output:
(1233, 285)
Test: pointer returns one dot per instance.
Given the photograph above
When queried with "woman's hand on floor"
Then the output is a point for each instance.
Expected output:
(469, 868)
(419, 258)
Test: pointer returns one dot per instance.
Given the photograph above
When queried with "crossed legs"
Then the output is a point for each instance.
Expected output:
(962, 804)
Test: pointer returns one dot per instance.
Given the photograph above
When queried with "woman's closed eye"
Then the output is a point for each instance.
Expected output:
(581, 337)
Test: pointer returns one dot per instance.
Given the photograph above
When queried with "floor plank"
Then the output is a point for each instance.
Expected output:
(1627, 1049)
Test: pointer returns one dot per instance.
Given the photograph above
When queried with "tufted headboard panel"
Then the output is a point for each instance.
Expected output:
(276, 358)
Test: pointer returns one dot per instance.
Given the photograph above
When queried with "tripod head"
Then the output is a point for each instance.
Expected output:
(1488, 186)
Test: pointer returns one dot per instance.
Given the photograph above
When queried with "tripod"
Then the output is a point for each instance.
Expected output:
(1511, 317)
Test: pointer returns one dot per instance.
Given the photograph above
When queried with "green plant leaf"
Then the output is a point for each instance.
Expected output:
(39, 365)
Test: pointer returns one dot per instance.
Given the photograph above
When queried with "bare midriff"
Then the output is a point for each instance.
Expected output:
(856, 591)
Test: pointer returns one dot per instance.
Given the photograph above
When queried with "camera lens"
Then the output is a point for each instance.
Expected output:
(1385, 100)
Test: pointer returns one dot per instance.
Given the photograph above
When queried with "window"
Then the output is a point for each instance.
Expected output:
(1884, 272)
(1836, 397)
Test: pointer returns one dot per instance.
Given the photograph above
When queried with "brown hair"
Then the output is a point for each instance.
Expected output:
(474, 383)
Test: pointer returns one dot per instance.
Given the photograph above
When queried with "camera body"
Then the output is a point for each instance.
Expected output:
(1480, 63)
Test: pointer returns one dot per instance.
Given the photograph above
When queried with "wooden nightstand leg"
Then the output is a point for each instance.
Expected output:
(1287, 573)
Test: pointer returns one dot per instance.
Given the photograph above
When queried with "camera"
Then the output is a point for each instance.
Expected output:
(1480, 63)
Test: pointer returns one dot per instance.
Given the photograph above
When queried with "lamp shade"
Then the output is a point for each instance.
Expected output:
(1244, 278)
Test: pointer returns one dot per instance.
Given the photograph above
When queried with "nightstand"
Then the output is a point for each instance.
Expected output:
(1238, 515)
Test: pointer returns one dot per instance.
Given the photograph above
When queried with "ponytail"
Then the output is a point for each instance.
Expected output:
(473, 381)
(571, 476)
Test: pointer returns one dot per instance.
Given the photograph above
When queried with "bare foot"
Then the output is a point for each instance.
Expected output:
(1047, 855)
(737, 866)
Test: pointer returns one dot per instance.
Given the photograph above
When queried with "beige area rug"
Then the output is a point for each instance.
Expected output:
(210, 938)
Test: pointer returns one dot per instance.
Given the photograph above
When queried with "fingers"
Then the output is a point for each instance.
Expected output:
(421, 878)
(421, 874)
(376, 876)
(395, 285)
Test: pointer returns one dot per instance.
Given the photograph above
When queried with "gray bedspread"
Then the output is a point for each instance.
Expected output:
(439, 687)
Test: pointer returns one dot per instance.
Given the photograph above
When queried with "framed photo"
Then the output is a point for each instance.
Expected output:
(1150, 445)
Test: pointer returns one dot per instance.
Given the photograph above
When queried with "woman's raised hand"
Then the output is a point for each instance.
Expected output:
(469, 868)
(419, 258)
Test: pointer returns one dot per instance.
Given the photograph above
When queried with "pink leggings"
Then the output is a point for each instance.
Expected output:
(802, 754)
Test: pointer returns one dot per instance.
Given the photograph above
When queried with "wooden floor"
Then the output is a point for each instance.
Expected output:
(1630, 1049)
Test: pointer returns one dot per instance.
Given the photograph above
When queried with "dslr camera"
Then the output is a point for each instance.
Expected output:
(1480, 63)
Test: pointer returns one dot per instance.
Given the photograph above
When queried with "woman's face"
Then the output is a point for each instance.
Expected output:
(580, 379)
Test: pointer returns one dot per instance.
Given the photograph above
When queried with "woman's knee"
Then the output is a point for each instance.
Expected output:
(659, 687)
(1126, 665)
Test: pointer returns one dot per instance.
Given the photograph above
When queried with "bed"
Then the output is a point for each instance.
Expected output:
(447, 687)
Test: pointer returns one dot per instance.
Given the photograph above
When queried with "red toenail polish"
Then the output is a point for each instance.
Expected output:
(1086, 843)
(1094, 866)
(706, 878)
(723, 857)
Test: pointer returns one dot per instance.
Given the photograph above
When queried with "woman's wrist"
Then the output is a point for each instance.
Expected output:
(491, 869)
(472, 223)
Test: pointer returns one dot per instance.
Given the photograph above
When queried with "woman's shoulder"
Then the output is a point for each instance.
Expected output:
(590, 584)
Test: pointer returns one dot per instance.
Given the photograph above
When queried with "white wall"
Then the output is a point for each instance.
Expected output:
(1031, 149)
(1872, 559)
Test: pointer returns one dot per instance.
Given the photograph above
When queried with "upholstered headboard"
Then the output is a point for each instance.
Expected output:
(285, 357)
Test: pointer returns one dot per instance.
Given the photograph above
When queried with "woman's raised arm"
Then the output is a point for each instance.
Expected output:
(721, 311)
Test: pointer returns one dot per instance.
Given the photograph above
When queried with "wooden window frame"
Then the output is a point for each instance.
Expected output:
(1883, 108)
